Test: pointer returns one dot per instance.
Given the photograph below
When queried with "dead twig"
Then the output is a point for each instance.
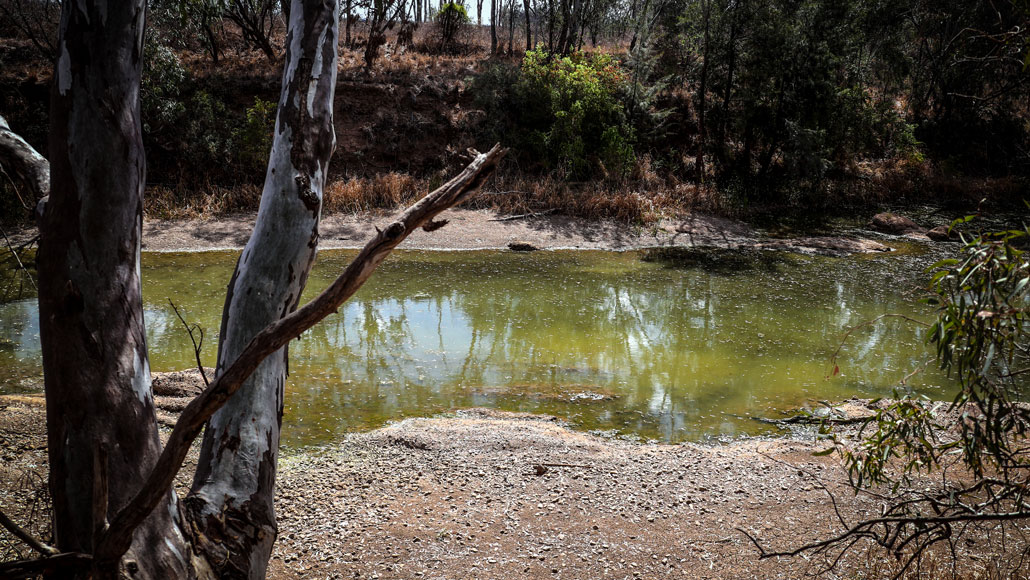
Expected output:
(17, 259)
(844, 339)
(197, 345)
(522, 216)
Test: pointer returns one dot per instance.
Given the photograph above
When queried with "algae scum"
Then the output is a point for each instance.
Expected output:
(666, 345)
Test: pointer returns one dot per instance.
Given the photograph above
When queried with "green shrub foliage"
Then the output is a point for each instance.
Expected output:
(563, 113)
(450, 19)
(195, 128)
(982, 337)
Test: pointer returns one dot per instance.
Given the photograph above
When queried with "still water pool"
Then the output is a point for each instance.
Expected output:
(667, 347)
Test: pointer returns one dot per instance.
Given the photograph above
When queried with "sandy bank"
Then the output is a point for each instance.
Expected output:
(484, 229)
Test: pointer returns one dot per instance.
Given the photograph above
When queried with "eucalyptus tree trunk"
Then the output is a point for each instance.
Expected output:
(493, 27)
(102, 431)
(702, 92)
(231, 499)
(529, 35)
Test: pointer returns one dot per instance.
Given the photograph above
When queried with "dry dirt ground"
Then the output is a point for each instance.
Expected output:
(482, 494)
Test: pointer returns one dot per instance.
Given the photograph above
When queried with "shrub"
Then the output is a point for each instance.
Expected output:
(450, 19)
(561, 112)
(254, 139)
(160, 86)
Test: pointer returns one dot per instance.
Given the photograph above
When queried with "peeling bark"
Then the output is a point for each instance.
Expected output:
(231, 500)
(100, 411)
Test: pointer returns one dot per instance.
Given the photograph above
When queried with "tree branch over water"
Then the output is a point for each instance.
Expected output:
(116, 541)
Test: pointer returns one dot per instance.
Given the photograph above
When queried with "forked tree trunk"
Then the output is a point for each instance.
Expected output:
(231, 500)
(102, 431)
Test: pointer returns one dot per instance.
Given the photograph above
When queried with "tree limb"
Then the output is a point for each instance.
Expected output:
(23, 161)
(116, 541)
(45, 565)
(26, 537)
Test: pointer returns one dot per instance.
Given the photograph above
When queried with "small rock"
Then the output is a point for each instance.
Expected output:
(519, 246)
(940, 234)
(890, 223)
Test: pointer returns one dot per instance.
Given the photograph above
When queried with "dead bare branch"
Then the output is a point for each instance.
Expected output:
(197, 345)
(21, 159)
(26, 537)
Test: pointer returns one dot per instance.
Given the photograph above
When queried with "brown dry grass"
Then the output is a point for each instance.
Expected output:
(890, 180)
(384, 191)
(643, 198)
(165, 202)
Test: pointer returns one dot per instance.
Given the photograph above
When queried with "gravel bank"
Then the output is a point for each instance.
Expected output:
(489, 495)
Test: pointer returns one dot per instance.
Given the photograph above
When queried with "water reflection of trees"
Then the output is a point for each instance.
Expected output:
(682, 347)
(675, 345)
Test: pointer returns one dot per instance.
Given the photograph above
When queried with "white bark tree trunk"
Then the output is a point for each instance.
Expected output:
(232, 493)
(23, 162)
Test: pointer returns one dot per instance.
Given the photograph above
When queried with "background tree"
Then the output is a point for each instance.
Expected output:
(255, 19)
(382, 15)
(450, 20)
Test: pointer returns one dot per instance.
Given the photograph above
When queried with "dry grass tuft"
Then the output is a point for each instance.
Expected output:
(163, 202)
(631, 201)
(384, 191)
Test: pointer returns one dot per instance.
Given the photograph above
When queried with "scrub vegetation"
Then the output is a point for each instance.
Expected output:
(630, 109)
(641, 112)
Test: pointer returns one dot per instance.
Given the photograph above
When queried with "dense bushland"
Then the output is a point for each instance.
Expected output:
(722, 105)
